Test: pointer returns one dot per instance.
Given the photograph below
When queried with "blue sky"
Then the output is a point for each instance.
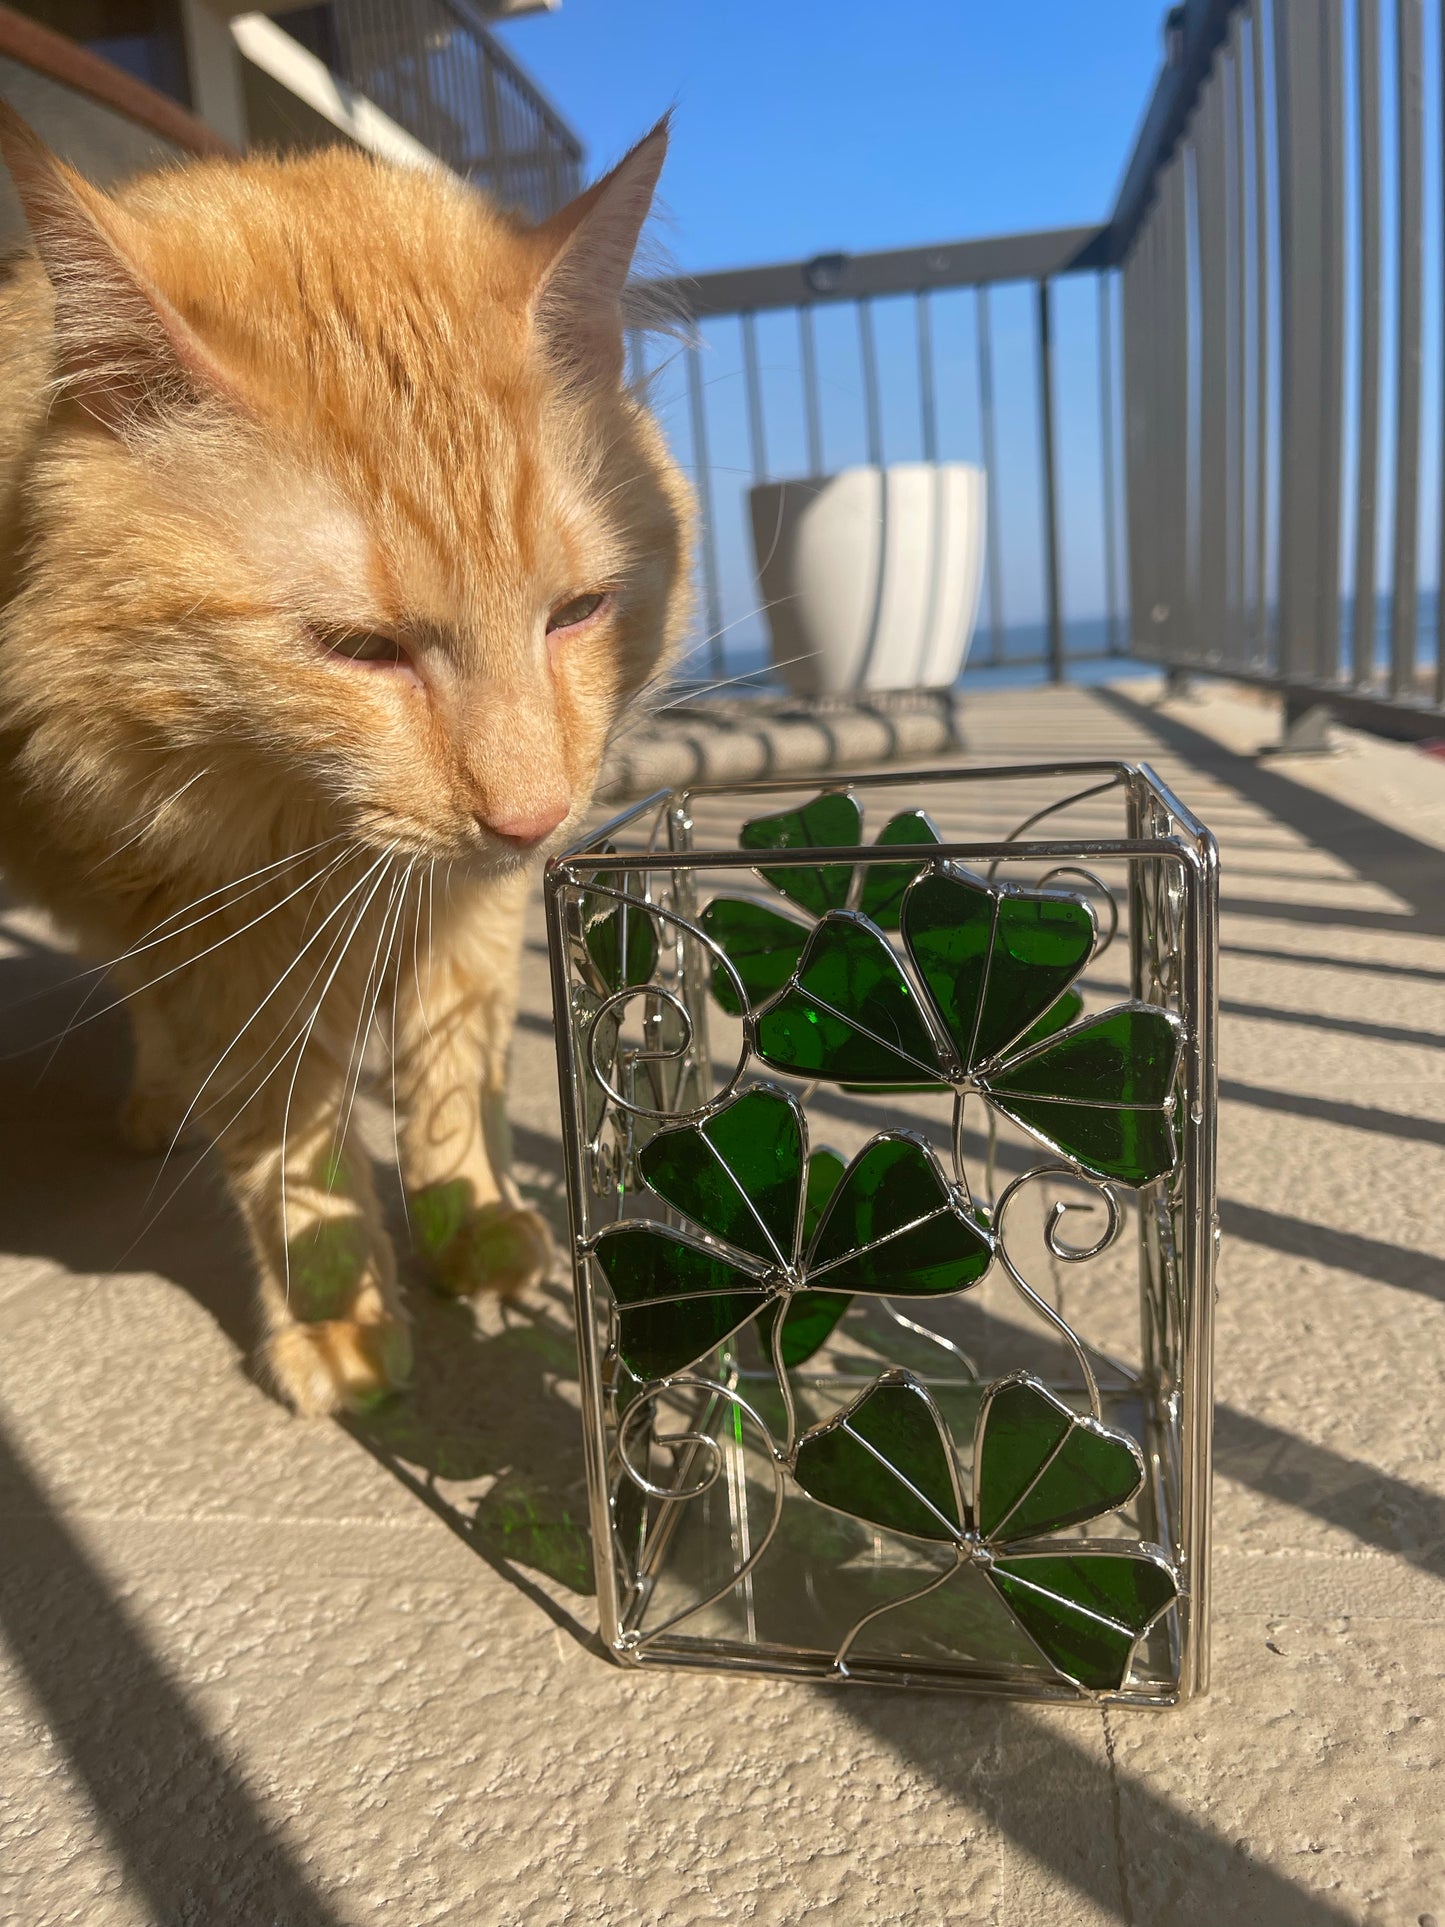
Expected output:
(808, 127)
(804, 126)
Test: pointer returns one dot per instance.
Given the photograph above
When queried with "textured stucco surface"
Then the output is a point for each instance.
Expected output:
(256, 1671)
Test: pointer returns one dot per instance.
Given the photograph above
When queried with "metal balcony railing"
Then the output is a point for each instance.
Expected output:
(926, 353)
(1265, 480)
(434, 68)
(1259, 291)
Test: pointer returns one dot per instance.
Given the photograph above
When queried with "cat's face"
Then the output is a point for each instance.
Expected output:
(384, 533)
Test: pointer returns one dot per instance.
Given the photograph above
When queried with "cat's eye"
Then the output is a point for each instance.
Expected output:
(575, 611)
(371, 646)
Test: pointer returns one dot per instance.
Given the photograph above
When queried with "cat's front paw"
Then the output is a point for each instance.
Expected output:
(502, 1247)
(337, 1364)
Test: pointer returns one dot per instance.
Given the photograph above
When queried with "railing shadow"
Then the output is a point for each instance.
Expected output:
(191, 1834)
(1021, 1776)
(484, 1439)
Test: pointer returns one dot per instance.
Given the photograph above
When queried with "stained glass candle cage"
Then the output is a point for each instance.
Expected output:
(889, 1123)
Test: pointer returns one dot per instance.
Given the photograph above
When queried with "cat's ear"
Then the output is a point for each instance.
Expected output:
(121, 348)
(588, 248)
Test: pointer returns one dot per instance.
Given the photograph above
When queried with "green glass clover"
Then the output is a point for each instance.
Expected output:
(620, 938)
(830, 821)
(779, 1232)
(996, 1013)
(1038, 1468)
(763, 946)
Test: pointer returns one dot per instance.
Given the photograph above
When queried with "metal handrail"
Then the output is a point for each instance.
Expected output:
(434, 68)
(43, 51)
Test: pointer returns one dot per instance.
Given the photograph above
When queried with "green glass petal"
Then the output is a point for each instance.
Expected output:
(811, 1315)
(1078, 1091)
(994, 961)
(1124, 1056)
(762, 947)
(1085, 1612)
(738, 1175)
(892, 1227)
(885, 883)
(812, 1318)
(825, 1172)
(947, 925)
(1068, 1010)
(620, 940)
(623, 945)
(884, 1459)
(1040, 944)
(829, 821)
(851, 1015)
(1132, 1147)
(1041, 1467)
(675, 1302)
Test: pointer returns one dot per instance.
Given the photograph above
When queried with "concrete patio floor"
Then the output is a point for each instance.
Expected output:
(255, 1670)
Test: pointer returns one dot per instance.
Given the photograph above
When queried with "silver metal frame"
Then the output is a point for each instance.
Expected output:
(1172, 912)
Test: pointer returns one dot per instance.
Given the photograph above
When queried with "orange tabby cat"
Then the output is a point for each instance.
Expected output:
(331, 547)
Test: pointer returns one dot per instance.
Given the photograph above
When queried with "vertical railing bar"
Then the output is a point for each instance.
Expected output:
(1050, 482)
(812, 411)
(1106, 449)
(1131, 370)
(757, 446)
(1410, 112)
(1191, 377)
(1332, 131)
(1261, 338)
(702, 479)
(1211, 203)
(984, 356)
(1440, 577)
(1239, 357)
(1367, 85)
(1307, 373)
(868, 355)
(927, 404)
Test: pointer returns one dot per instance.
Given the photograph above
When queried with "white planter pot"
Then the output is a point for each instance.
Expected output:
(871, 576)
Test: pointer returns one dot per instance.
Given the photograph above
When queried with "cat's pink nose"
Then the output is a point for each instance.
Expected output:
(525, 830)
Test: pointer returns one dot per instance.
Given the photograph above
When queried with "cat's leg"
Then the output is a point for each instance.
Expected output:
(337, 1332)
(154, 1116)
(454, 1021)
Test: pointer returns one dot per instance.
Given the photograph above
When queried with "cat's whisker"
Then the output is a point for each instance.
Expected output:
(366, 1017)
(151, 939)
(263, 871)
(186, 963)
(423, 887)
(715, 635)
(331, 916)
(288, 1043)
(395, 1119)
(152, 816)
(711, 688)
(301, 1053)
(79, 1018)
(288, 1039)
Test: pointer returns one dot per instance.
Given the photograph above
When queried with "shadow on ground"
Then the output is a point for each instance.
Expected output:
(485, 1437)
(1019, 1774)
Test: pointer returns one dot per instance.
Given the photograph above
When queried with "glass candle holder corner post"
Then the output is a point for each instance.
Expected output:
(889, 1113)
